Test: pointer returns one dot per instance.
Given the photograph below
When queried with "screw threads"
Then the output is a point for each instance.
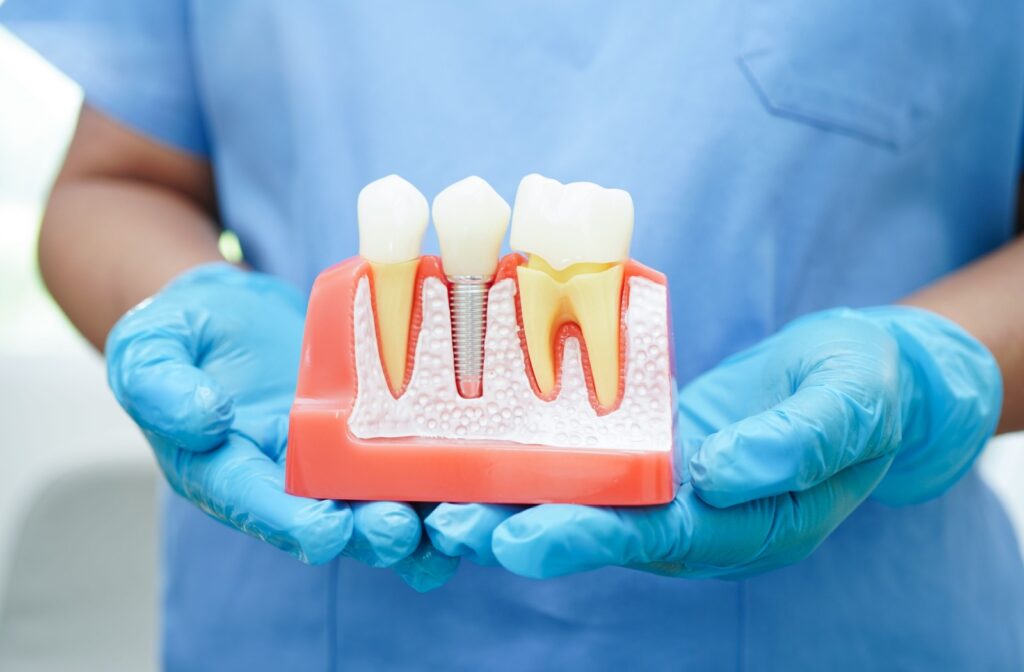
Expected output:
(468, 300)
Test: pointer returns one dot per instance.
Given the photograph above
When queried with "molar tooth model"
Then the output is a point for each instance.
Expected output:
(552, 382)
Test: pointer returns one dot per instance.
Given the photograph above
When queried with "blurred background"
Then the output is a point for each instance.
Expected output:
(78, 490)
(77, 484)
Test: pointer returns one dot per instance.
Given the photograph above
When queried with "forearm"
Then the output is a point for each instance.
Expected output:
(985, 299)
(125, 216)
(106, 244)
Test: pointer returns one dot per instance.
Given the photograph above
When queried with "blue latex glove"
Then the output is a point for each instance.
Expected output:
(779, 444)
(207, 368)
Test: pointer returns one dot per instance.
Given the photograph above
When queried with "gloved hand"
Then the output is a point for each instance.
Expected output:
(778, 444)
(207, 368)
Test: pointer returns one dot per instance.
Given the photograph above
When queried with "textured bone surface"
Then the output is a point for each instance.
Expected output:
(508, 410)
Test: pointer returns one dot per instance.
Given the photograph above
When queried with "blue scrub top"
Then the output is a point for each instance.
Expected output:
(785, 156)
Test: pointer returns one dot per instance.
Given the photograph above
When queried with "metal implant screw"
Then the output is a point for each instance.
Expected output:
(468, 301)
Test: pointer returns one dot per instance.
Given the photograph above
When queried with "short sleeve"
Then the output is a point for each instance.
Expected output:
(132, 58)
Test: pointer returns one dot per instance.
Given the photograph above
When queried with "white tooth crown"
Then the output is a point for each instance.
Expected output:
(566, 224)
(471, 220)
(392, 217)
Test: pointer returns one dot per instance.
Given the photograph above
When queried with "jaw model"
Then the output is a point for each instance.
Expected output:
(359, 431)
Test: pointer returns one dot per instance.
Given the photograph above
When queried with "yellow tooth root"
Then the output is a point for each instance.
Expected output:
(587, 294)
(393, 289)
(540, 301)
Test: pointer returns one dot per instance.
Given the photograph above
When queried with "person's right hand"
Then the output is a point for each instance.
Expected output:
(207, 368)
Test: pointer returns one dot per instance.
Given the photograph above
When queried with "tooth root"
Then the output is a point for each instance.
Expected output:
(540, 299)
(596, 302)
(591, 298)
(393, 289)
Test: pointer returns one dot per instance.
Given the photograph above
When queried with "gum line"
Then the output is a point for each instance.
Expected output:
(509, 409)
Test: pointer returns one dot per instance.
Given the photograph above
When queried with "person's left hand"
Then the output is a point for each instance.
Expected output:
(778, 445)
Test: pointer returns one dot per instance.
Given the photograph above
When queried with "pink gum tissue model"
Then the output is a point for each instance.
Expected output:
(561, 390)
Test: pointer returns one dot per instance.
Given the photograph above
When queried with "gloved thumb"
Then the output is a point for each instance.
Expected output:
(152, 372)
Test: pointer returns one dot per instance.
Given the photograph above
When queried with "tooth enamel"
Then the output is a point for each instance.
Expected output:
(471, 219)
(577, 236)
(574, 223)
(392, 218)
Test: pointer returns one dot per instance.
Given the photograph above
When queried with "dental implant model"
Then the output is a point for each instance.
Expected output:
(545, 378)
(471, 219)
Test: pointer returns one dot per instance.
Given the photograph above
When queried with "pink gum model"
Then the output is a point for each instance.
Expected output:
(352, 437)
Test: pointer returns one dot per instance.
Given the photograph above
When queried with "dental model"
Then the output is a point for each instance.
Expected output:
(551, 382)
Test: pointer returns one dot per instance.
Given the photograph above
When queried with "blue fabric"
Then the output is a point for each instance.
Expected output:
(785, 156)
(132, 58)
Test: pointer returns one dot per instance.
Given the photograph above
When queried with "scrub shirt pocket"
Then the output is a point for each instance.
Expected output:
(875, 69)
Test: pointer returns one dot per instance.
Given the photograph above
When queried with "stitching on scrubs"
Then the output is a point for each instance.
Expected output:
(871, 123)
(880, 87)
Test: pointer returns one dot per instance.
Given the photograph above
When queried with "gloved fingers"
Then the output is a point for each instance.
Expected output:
(383, 533)
(557, 539)
(801, 442)
(953, 393)
(426, 568)
(241, 487)
(798, 522)
(464, 530)
(151, 370)
(685, 538)
(265, 427)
